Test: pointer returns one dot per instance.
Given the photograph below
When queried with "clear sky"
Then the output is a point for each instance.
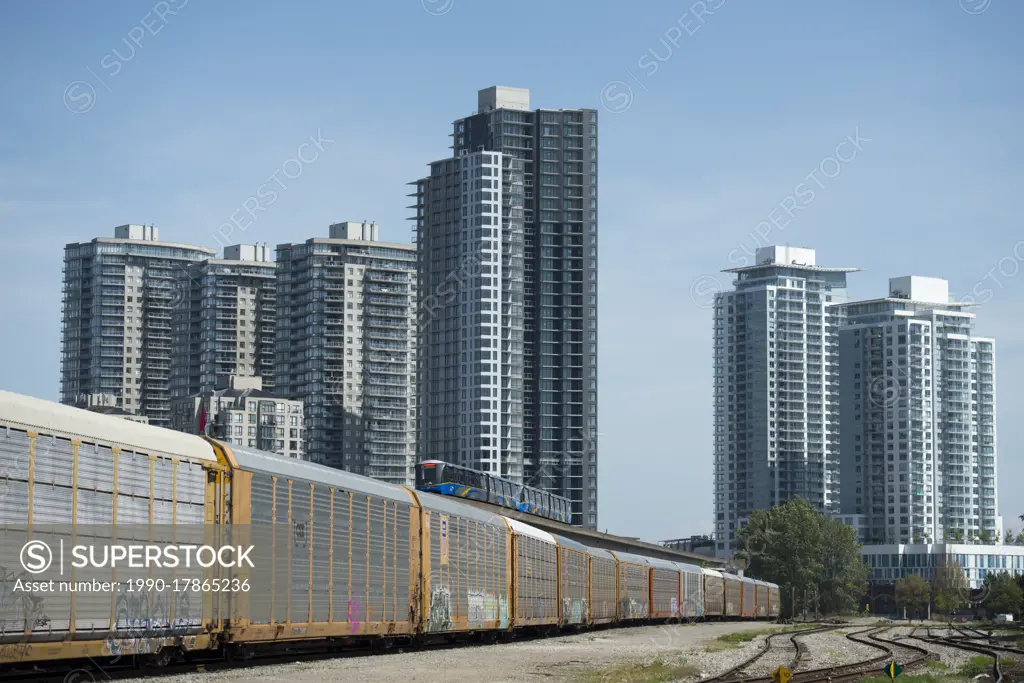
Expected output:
(176, 112)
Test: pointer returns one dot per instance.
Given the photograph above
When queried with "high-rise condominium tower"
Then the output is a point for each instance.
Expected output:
(470, 322)
(555, 212)
(346, 346)
(776, 388)
(918, 417)
(224, 326)
(119, 295)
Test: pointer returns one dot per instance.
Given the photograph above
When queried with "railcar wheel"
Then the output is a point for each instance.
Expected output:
(162, 658)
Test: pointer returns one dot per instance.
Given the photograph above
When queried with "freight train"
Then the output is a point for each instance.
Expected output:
(340, 558)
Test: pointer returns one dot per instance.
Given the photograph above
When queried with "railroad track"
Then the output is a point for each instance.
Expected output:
(831, 674)
(735, 674)
(1004, 669)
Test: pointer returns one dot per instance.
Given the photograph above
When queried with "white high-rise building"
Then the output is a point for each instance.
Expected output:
(119, 297)
(346, 347)
(469, 232)
(224, 326)
(918, 418)
(776, 388)
(546, 227)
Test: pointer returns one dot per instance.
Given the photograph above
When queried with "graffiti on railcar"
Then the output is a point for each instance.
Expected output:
(354, 610)
(633, 609)
(143, 623)
(503, 611)
(440, 609)
(483, 608)
(20, 606)
(575, 610)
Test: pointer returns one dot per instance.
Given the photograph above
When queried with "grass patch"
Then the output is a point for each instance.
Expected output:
(720, 646)
(747, 636)
(913, 678)
(936, 665)
(658, 671)
(978, 665)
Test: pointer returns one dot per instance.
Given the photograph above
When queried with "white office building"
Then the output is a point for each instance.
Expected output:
(776, 388)
(890, 563)
(918, 431)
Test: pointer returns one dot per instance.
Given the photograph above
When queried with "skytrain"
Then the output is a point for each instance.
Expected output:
(437, 476)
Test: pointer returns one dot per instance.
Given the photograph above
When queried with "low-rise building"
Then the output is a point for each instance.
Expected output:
(241, 413)
(890, 563)
(106, 404)
(702, 545)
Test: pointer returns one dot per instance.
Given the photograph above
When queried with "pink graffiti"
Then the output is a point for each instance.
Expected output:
(352, 617)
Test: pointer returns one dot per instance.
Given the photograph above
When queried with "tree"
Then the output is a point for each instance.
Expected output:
(796, 546)
(845, 574)
(913, 594)
(1008, 538)
(984, 536)
(1002, 594)
(950, 591)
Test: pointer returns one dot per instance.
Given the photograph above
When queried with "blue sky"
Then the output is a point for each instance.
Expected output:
(707, 124)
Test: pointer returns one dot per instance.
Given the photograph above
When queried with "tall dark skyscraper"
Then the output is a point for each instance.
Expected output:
(544, 187)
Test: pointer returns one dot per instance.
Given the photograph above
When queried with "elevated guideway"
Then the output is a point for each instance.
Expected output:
(598, 539)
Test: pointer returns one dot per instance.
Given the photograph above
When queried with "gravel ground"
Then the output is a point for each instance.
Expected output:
(833, 648)
(565, 658)
(593, 657)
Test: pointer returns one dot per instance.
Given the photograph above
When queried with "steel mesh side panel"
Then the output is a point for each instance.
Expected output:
(666, 587)
(54, 461)
(358, 608)
(747, 590)
(54, 468)
(538, 577)
(400, 563)
(486, 573)
(321, 539)
(133, 475)
(692, 596)
(163, 491)
(13, 497)
(471, 586)
(281, 539)
(439, 612)
(378, 574)
(340, 573)
(14, 451)
(262, 493)
(732, 598)
(96, 468)
(634, 598)
(300, 552)
(95, 507)
(603, 588)
(575, 581)
(51, 504)
(714, 596)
